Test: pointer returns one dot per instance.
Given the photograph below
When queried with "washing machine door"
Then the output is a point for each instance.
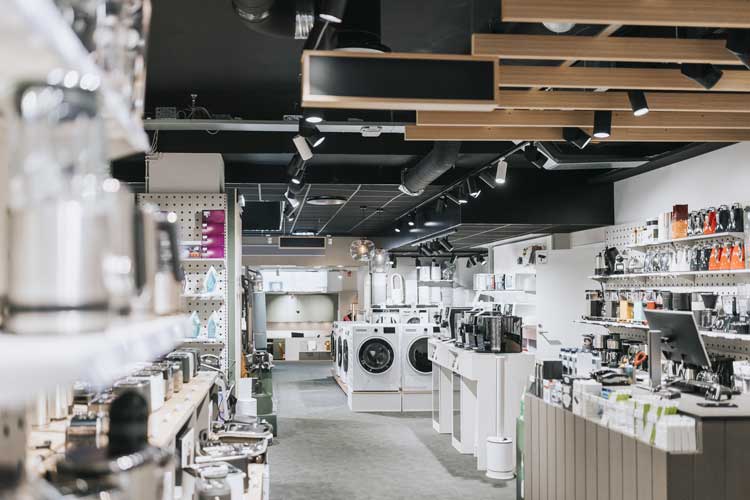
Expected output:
(345, 355)
(418, 357)
(376, 355)
(338, 351)
(333, 349)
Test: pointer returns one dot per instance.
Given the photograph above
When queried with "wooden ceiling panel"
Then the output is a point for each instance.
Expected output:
(597, 48)
(415, 133)
(616, 78)
(699, 13)
(582, 119)
(618, 101)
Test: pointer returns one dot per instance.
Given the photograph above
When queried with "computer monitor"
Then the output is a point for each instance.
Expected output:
(681, 339)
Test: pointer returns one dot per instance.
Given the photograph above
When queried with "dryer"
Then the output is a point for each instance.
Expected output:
(374, 358)
(416, 366)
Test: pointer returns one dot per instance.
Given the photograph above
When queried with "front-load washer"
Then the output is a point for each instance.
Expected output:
(346, 341)
(416, 366)
(374, 354)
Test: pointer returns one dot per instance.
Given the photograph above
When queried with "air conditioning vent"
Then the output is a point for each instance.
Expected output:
(305, 242)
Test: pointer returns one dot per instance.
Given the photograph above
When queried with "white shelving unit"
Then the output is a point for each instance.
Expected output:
(35, 40)
(689, 239)
(35, 364)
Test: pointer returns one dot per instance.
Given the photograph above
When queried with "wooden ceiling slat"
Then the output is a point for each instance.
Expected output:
(616, 78)
(699, 13)
(595, 48)
(618, 101)
(415, 133)
(620, 119)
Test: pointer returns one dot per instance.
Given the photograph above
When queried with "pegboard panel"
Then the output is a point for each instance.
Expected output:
(188, 208)
(622, 235)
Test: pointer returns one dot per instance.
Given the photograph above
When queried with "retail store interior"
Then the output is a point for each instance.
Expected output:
(402, 249)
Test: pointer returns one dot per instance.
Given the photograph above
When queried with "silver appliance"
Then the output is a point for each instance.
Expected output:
(169, 273)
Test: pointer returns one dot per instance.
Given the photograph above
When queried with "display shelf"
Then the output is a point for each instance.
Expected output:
(745, 273)
(203, 296)
(35, 364)
(643, 327)
(202, 259)
(35, 40)
(689, 239)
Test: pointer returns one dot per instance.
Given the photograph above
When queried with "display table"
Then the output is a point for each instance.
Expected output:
(567, 457)
(468, 389)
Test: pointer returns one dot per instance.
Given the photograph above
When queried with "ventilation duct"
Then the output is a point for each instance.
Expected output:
(280, 18)
(438, 161)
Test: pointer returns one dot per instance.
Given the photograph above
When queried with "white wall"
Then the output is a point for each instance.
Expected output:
(300, 308)
(722, 176)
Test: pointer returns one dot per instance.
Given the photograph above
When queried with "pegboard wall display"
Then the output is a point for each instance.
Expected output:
(189, 208)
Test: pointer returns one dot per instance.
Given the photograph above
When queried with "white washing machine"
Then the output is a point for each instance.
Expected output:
(336, 334)
(416, 367)
(345, 365)
(375, 368)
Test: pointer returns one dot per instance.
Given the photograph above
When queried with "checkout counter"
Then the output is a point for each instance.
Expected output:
(603, 448)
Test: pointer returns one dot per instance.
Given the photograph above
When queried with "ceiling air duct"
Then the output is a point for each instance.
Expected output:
(438, 161)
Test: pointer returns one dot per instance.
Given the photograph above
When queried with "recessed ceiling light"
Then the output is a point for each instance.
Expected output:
(325, 200)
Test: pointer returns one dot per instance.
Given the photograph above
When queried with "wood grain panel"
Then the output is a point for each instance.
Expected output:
(596, 48)
(699, 13)
(551, 454)
(659, 475)
(582, 119)
(680, 477)
(602, 463)
(615, 466)
(616, 78)
(737, 434)
(618, 101)
(560, 464)
(629, 468)
(644, 469)
(580, 458)
(570, 456)
(415, 133)
(709, 466)
(591, 461)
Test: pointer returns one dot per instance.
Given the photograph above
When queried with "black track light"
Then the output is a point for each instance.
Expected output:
(576, 136)
(292, 199)
(312, 115)
(487, 178)
(295, 188)
(289, 213)
(470, 262)
(602, 124)
(472, 188)
(462, 198)
(410, 221)
(738, 43)
(534, 156)
(706, 75)
(481, 260)
(453, 198)
(638, 102)
(332, 11)
(445, 245)
(473, 260)
(311, 133)
(422, 250)
(294, 165)
(298, 176)
(397, 228)
(394, 263)
(417, 263)
(454, 258)
(440, 206)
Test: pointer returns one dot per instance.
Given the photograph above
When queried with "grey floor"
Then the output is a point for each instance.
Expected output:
(326, 452)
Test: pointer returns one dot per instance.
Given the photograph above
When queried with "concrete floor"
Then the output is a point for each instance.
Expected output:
(326, 452)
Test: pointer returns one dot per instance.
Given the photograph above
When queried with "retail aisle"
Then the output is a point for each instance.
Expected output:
(325, 452)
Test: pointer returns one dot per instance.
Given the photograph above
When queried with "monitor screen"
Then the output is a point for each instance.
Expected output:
(261, 216)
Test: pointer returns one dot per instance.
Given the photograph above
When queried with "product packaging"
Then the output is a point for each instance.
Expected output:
(210, 281)
(212, 229)
(212, 325)
(195, 321)
(212, 252)
(213, 241)
(213, 216)
(679, 221)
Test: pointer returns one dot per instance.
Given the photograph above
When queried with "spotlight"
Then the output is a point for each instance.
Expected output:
(417, 263)
(534, 156)
(332, 10)
(296, 188)
(397, 229)
(481, 260)
(638, 102)
(454, 258)
(445, 245)
(303, 148)
(289, 213)
(501, 172)
(410, 221)
(311, 133)
(462, 199)
(472, 188)
(312, 115)
(298, 176)
(487, 179)
(422, 250)
(294, 165)
(473, 260)
(705, 75)
(738, 43)
(394, 263)
(451, 197)
(602, 124)
(576, 136)
(291, 198)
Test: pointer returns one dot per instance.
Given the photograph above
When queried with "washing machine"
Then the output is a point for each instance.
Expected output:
(375, 375)
(344, 355)
(416, 366)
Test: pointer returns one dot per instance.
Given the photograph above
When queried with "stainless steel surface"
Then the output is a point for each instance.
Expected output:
(141, 386)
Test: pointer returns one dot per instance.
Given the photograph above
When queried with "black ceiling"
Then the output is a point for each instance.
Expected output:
(203, 48)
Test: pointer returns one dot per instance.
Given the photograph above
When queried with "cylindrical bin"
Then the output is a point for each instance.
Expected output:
(500, 458)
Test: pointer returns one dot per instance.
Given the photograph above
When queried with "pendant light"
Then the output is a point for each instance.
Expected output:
(501, 172)
(332, 11)
(602, 124)
(638, 102)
